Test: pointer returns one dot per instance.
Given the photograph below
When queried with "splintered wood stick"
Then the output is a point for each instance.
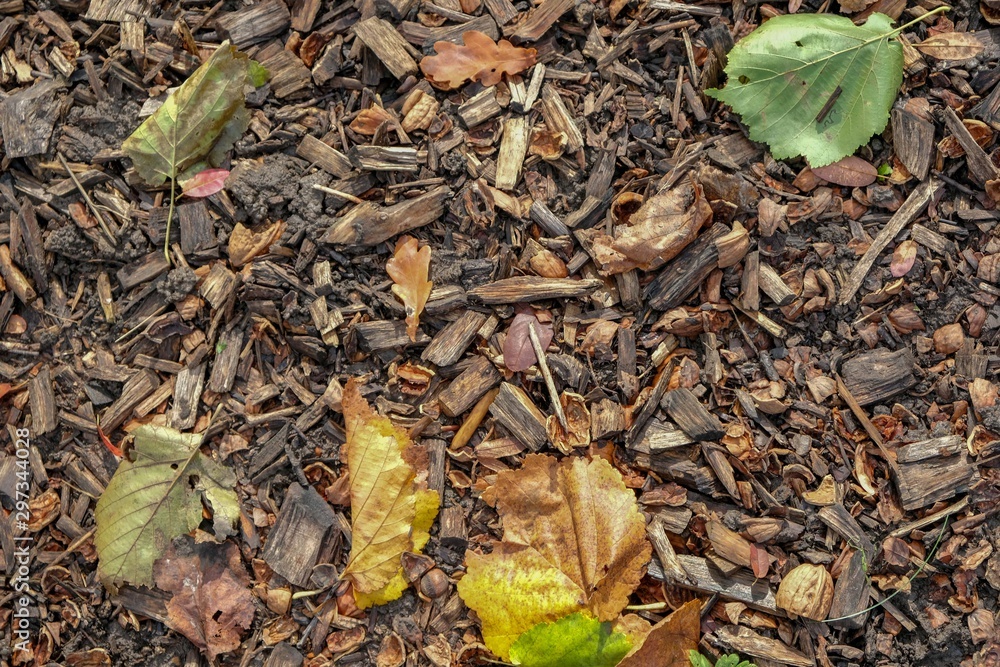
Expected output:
(544, 365)
(86, 197)
(472, 422)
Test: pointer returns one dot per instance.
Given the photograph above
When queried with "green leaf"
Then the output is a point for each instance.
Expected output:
(572, 641)
(698, 660)
(156, 497)
(199, 122)
(732, 660)
(814, 84)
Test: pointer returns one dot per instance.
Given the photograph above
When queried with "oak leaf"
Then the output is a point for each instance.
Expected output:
(211, 603)
(391, 507)
(409, 268)
(574, 540)
(669, 641)
(480, 59)
(656, 233)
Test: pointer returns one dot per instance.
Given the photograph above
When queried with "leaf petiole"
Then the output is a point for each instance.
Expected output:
(936, 10)
(170, 218)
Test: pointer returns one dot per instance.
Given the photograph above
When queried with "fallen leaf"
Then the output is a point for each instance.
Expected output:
(547, 144)
(850, 171)
(903, 258)
(656, 233)
(574, 540)
(759, 561)
(669, 641)
(211, 603)
(518, 352)
(156, 497)
(951, 46)
(573, 641)
(480, 59)
(369, 120)
(409, 268)
(205, 183)
(577, 418)
(245, 243)
(391, 508)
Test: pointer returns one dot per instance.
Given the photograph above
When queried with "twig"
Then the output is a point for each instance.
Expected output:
(337, 193)
(90, 202)
(553, 394)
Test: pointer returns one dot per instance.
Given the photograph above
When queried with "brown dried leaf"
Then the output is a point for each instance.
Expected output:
(577, 418)
(409, 268)
(852, 6)
(369, 120)
(951, 46)
(905, 320)
(245, 244)
(480, 59)
(760, 561)
(518, 352)
(211, 603)
(850, 172)
(949, 339)
(669, 641)
(903, 258)
(656, 233)
(547, 144)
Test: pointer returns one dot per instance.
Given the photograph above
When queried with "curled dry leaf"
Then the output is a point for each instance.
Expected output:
(205, 183)
(245, 243)
(577, 418)
(518, 352)
(656, 233)
(949, 339)
(806, 591)
(951, 46)
(480, 59)
(903, 258)
(369, 120)
(391, 508)
(669, 641)
(547, 145)
(574, 540)
(850, 171)
(409, 268)
(211, 603)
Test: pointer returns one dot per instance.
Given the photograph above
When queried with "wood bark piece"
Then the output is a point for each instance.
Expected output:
(673, 571)
(851, 593)
(387, 45)
(538, 20)
(386, 335)
(198, 239)
(906, 213)
(450, 343)
(927, 481)
(513, 147)
(840, 520)
(659, 438)
(384, 158)
(16, 281)
(295, 543)
(913, 141)
(773, 286)
(117, 10)
(740, 587)
(684, 274)
(227, 358)
(558, 119)
(187, 396)
(691, 416)
(747, 642)
(878, 375)
(27, 118)
(948, 445)
(679, 467)
(514, 410)
(480, 108)
(254, 24)
(290, 78)
(139, 386)
(532, 288)
(469, 387)
(323, 155)
(43, 402)
(284, 655)
(143, 270)
(371, 224)
(980, 166)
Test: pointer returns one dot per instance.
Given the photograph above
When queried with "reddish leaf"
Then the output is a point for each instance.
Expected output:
(205, 183)
(518, 353)
(480, 59)
(760, 561)
(107, 443)
(902, 258)
(849, 172)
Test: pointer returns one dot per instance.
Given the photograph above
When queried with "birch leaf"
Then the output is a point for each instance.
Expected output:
(199, 122)
(574, 540)
(814, 85)
(409, 268)
(155, 498)
(518, 352)
(391, 508)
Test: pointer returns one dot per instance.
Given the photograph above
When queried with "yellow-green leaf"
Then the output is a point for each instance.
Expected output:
(156, 497)
(574, 540)
(199, 122)
(574, 641)
(391, 508)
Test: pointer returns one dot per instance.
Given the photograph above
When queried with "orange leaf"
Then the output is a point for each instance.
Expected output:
(369, 120)
(408, 269)
(481, 59)
(669, 641)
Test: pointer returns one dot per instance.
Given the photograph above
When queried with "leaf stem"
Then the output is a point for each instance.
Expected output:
(937, 10)
(170, 218)
(652, 606)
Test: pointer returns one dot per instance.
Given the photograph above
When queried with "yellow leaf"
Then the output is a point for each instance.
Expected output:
(391, 509)
(408, 269)
(573, 540)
